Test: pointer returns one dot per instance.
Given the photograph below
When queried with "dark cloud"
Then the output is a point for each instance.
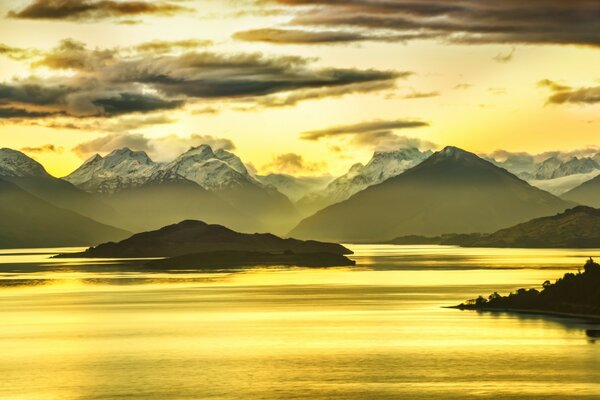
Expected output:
(212, 76)
(19, 113)
(47, 148)
(466, 21)
(373, 129)
(292, 163)
(565, 94)
(81, 10)
(113, 82)
(127, 103)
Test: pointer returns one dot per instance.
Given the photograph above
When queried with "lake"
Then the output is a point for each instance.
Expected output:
(110, 329)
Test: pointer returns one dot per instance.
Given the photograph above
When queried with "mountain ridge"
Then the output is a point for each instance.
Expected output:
(453, 191)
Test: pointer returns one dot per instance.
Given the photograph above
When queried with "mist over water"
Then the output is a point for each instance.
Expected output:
(89, 329)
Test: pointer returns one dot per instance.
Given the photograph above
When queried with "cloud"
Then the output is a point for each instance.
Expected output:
(505, 57)
(378, 135)
(47, 148)
(370, 128)
(85, 10)
(300, 36)
(566, 94)
(462, 86)
(420, 95)
(518, 162)
(74, 55)
(105, 83)
(161, 46)
(465, 22)
(18, 114)
(16, 53)
(292, 163)
(162, 148)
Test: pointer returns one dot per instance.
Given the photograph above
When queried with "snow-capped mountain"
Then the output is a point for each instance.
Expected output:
(213, 170)
(382, 166)
(547, 168)
(13, 163)
(122, 169)
(554, 168)
(123, 174)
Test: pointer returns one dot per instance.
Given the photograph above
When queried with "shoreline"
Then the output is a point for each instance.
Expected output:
(592, 317)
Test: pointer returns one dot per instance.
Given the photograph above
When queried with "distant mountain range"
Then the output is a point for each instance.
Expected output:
(201, 183)
(555, 174)
(397, 193)
(453, 191)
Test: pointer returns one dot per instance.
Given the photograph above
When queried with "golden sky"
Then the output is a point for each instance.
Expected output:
(307, 87)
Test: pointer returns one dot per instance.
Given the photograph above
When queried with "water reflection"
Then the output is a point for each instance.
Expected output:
(116, 330)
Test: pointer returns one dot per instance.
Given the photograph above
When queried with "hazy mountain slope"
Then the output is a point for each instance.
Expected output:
(163, 201)
(295, 187)
(453, 191)
(27, 221)
(588, 193)
(191, 237)
(577, 227)
(31, 176)
(383, 165)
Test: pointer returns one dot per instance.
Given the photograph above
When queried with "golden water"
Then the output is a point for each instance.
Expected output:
(84, 329)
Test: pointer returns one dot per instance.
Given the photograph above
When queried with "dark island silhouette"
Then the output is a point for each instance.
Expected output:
(575, 295)
(190, 244)
(574, 228)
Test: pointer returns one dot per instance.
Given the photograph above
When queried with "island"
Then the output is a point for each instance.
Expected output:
(573, 295)
(196, 244)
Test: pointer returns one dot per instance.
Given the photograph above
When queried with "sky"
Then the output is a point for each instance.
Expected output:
(297, 86)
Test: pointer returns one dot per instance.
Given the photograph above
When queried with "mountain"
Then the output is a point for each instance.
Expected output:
(294, 187)
(224, 174)
(453, 191)
(587, 193)
(120, 170)
(31, 176)
(192, 237)
(575, 228)
(382, 166)
(28, 221)
(553, 168)
(219, 176)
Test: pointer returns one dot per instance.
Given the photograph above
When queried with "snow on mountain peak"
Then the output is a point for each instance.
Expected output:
(13, 163)
(382, 166)
(120, 169)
